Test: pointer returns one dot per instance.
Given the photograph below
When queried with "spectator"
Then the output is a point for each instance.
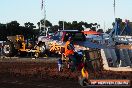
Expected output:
(60, 65)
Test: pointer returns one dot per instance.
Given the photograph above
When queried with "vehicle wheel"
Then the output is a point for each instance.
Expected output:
(36, 55)
(9, 49)
(43, 48)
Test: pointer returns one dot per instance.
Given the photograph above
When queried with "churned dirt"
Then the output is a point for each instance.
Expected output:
(44, 74)
(15, 73)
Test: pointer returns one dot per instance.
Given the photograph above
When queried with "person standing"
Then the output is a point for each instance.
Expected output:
(60, 65)
(69, 47)
(70, 54)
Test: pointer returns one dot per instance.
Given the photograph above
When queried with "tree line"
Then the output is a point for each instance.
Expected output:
(29, 30)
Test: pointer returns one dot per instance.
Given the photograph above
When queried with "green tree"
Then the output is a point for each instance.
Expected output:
(29, 25)
(100, 30)
(3, 32)
(108, 31)
(54, 28)
(29, 30)
(93, 28)
(61, 25)
(13, 28)
(46, 22)
(38, 25)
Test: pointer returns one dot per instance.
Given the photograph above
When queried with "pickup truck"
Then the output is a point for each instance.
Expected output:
(56, 42)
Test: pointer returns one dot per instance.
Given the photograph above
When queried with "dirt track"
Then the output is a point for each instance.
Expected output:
(38, 73)
(43, 73)
(37, 83)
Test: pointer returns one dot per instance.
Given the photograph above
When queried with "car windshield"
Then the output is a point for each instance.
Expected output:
(76, 36)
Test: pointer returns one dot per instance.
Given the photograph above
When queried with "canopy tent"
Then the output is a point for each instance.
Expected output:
(91, 32)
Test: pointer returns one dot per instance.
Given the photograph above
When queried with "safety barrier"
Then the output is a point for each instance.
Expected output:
(105, 57)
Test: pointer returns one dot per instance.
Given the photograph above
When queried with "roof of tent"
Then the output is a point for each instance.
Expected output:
(91, 32)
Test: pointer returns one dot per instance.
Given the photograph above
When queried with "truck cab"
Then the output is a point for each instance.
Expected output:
(63, 35)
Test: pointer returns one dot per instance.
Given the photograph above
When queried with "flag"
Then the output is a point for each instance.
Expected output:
(42, 4)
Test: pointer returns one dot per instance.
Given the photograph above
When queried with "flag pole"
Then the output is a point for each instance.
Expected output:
(114, 9)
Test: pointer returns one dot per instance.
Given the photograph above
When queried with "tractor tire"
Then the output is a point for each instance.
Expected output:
(9, 49)
(42, 49)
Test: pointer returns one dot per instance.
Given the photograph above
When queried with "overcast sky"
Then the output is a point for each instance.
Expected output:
(91, 11)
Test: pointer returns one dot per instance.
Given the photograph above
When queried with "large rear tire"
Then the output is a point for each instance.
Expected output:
(9, 49)
(42, 50)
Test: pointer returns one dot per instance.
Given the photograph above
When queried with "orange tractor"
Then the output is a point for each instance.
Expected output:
(16, 45)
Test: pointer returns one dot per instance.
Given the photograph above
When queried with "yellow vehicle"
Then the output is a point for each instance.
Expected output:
(16, 45)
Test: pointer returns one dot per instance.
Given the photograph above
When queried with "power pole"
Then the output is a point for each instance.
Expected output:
(63, 26)
(44, 15)
(43, 8)
(104, 25)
